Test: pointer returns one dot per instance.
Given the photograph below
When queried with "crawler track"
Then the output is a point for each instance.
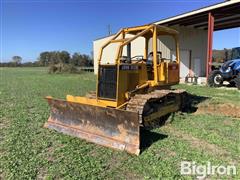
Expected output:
(167, 101)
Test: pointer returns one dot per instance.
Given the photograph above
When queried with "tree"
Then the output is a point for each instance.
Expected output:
(16, 60)
(235, 53)
(81, 60)
(44, 58)
(64, 57)
(225, 55)
(76, 57)
(54, 57)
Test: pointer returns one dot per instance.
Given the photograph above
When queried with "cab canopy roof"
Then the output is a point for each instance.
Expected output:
(161, 30)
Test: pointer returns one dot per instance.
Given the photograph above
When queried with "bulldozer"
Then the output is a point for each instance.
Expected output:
(132, 93)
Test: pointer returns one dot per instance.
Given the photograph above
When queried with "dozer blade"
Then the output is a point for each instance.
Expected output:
(109, 127)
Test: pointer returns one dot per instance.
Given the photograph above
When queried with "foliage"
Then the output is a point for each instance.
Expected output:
(51, 58)
(235, 53)
(226, 54)
(29, 151)
(56, 57)
(62, 62)
(26, 64)
(62, 68)
(16, 60)
(81, 60)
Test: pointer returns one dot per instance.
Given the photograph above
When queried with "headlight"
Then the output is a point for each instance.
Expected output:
(228, 69)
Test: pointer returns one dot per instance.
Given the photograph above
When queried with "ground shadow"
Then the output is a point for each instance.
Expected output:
(191, 102)
(149, 137)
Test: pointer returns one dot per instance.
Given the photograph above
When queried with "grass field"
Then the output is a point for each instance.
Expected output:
(29, 151)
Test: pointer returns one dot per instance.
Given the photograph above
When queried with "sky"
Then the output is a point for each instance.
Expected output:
(29, 27)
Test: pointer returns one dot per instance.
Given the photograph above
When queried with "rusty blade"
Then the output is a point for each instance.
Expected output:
(109, 127)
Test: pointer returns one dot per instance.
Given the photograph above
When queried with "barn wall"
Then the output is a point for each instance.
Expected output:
(190, 39)
(196, 41)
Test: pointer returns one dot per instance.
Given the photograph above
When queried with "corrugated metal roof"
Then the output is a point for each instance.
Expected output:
(227, 15)
(194, 12)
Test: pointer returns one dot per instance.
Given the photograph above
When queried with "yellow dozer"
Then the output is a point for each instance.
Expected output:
(131, 93)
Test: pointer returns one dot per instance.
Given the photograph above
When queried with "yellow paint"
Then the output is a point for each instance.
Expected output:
(88, 101)
(138, 77)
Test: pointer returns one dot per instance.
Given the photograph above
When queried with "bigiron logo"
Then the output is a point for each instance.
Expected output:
(202, 171)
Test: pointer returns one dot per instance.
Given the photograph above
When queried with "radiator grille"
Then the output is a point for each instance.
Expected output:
(107, 82)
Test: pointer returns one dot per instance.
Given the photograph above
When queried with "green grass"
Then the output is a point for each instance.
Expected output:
(29, 151)
(216, 96)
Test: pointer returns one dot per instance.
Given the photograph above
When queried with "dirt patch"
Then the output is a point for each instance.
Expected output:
(197, 143)
(42, 174)
(4, 123)
(227, 122)
(219, 109)
(1, 174)
(115, 163)
(131, 176)
(164, 153)
(50, 152)
(170, 153)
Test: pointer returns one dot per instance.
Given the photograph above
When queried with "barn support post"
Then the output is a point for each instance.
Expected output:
(210, 43)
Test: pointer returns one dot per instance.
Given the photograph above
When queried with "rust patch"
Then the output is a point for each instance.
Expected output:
(109, 127)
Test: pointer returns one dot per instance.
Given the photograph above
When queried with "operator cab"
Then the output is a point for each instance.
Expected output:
(145, 66)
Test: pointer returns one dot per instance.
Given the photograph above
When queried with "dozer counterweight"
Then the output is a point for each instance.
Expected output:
(131, 93)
